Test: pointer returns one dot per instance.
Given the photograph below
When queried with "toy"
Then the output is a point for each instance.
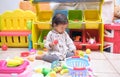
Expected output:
(77, 38)
(24, 54)
(4, 47)
(51, 74)
(117, 12)
(79, 53)
(40, 52)
(30, 59)
(14, 62)
(45, 71)
(64, 71)
(55, 42)
(9, 70)
(56, 66)
(90, 39)
(32, 51)
(88, 51)
(38, 70)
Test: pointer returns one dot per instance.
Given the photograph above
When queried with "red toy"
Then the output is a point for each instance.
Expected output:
(55, 42)
(4, 47)
(25, 54)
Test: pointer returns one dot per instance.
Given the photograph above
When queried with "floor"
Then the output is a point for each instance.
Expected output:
(103, 64)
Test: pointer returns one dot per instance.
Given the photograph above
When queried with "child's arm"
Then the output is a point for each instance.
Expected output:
(70, 43)
(48, 42)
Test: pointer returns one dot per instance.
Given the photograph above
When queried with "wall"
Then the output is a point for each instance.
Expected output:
(8, 5)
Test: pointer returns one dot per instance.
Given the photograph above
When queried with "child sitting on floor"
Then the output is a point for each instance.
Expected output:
(58, 42)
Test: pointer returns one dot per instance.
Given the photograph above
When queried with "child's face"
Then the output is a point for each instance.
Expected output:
(60, 28)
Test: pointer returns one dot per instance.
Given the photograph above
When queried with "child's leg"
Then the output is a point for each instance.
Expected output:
(50, 57)
(69, 54)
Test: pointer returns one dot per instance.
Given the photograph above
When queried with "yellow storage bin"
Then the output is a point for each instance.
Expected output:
(44, 18)
(92, 19)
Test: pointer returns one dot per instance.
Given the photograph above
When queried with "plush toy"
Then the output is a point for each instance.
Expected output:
(117, 12)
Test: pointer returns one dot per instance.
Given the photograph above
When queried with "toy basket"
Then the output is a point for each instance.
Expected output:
(77, 66)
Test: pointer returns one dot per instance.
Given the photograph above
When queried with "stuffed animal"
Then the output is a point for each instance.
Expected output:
(117, 12)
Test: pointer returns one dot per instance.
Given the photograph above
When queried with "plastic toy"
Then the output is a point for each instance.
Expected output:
(88, 51)
(25, 54)
(63, 71)
(79, 53)
(8, 70)
(38, 70)
(51, 74)
(4, 47)
(17, 61)
(45, 71)
(32, 51)
(30, 59)
(56, 66)
(40, 52)
(55, 42)
(77, 38)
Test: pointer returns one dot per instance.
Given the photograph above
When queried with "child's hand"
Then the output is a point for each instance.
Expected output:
(55, 42)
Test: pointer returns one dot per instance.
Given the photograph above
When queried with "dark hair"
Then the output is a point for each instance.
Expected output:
(59, 19)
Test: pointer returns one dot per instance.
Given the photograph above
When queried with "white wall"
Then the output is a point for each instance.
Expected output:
(8, 5)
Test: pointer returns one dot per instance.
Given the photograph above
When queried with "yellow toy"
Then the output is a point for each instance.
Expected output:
(14, 62)
(63, 71)
(40, 52)
(38, 70)
(88, 51)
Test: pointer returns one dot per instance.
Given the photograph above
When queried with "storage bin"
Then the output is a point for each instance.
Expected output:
(65, 12)
(75, 18)
(92, 19)
(44, 18)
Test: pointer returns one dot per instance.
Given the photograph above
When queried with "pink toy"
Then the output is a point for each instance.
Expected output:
(9, 70)
(4, 47)
(32, 51)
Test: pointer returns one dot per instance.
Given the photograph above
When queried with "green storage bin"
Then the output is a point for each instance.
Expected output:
(75, 18)
(41, 37)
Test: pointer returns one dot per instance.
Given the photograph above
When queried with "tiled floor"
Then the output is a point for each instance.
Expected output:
(103, 64)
